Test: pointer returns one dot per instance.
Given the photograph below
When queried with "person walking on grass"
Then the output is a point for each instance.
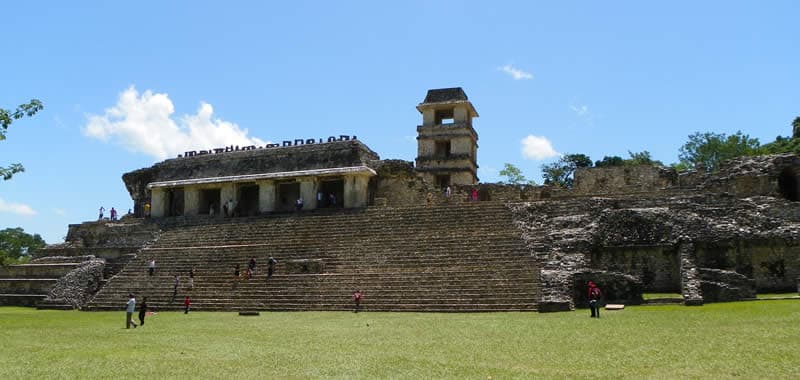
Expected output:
(594, 299)
(357, 297)
(130, 307)
(142, 310)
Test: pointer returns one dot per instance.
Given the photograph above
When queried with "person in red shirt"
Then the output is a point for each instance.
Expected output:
(186, 303)
(357, 296)
(594, 296)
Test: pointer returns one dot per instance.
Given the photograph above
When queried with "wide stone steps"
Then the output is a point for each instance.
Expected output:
(440, 258)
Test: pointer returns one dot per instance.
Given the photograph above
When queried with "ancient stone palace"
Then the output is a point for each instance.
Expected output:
(337, 217)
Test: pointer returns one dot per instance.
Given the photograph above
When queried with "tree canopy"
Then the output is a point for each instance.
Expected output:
(514, 175)
(6, 118)
(560, 173)
(17, 246)
(709, 150)
(636, 158)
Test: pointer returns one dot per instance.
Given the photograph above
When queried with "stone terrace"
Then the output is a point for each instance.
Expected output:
(467, 257)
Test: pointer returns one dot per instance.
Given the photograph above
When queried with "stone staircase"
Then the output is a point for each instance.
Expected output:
(27, 284)
(444, 258)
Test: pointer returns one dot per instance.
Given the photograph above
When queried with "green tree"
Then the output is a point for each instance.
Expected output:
(6, 118)
(514, 175)
(610, 161)
(796, 127)
(17, 246)
(709, 150)
(642, 158)
(561, 172)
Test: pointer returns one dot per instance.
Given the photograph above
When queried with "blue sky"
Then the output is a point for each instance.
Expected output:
(126, 84)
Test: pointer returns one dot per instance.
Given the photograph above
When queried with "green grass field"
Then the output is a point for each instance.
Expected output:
(726, 340)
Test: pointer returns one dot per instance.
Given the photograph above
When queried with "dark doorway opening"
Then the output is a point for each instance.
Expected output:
(442, 180)
(787, 184)
(209, 199)
(248, 200)
(175, 202)
(332, 193)
(288, 192)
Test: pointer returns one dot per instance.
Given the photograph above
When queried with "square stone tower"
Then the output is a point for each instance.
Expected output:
(447, 145)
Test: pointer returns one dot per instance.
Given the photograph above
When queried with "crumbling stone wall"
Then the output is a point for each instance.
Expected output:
(78, 286)
(623, 179)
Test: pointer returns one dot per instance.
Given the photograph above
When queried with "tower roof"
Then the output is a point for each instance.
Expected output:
(441, 98)
(445, 95)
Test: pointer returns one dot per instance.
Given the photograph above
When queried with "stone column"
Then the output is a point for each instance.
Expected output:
(308, 190)
(266, 196)
(158, 202)
(191, 200)
(226, 193)
(355, 191)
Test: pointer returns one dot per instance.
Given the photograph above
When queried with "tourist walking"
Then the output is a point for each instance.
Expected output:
(298, 204)
(151, 267)
(270, 266)
(448, 192)
(251, 268)
(113, 213)
(357, 297)
(474, 194)
(142, 310)
(175, 287)
(191, 279)
(186, 303)
(102, 209)
(130, 307)
(594, 299)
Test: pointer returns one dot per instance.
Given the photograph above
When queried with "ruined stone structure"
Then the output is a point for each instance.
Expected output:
(367, 223)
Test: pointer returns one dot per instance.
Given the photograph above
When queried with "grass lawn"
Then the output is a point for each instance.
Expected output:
(655, 296)
(744, 340)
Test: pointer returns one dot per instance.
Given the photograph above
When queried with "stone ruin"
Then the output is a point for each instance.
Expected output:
(710, 237)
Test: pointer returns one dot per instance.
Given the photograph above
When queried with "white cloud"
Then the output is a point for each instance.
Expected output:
(16, 208)
(537, 148)
(146, 124)
(515, 73)
(580, 110)
(60, 211)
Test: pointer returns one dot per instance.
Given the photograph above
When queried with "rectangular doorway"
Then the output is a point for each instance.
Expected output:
(288, 192)
(209, 200)
(248, 200)
(332, 193)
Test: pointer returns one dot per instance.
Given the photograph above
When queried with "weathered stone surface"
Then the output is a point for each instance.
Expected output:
(305, 266)
(710, 245)
(78, 286)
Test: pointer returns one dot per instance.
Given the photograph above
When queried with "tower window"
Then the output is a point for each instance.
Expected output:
(444, 116)
(442, 149)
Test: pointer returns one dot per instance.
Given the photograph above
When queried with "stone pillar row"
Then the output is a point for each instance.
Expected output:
(355, 195)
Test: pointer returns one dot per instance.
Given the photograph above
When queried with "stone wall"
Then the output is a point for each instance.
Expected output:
(77, 287)
(623, 179)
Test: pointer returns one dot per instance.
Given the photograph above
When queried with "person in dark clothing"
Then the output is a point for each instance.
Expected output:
(270, 266)
(594, 299)
(186, 303)
(142, 311)
(251, 268)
